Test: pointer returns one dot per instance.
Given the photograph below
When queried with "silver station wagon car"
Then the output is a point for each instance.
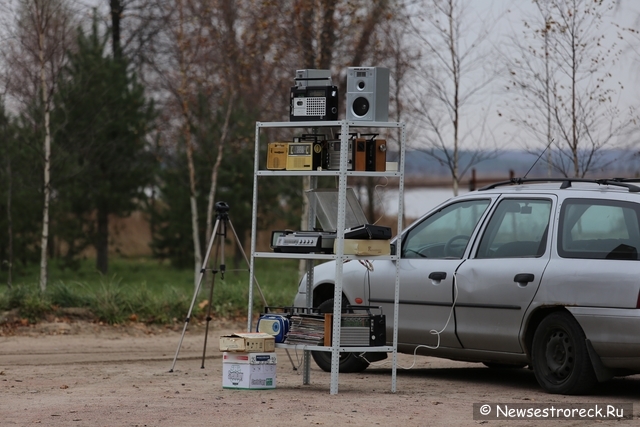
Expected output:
(519, 273)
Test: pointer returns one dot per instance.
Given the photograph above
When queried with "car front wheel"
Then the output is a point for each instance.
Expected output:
(349, 362)
(559, 356)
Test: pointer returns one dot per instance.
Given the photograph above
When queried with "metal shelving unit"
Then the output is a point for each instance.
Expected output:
(342, 174)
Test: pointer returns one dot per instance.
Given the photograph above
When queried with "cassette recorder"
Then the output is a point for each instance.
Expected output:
(311, 103)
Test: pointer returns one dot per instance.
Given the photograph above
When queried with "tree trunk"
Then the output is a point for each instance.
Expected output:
(102, 243)
(186, 129)
(216, 169)
(455, 69)
(47, 164)
(197, 253)
(9, 221)
(116, 13)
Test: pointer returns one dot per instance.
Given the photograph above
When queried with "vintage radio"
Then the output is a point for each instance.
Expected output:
(333, 154)
(370, 154)
(360, 154)
(305, 153)
(358, 330)
(277, 155)
(311, 103)
(376, 155)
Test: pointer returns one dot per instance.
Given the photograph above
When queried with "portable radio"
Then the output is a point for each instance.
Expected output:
(300, 156)
(274, 324)
(333, 154)
(376, 155)
(277, 155)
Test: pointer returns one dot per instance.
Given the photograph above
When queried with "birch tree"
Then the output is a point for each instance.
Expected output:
(456, 75)
(564, 77)
(34, 56)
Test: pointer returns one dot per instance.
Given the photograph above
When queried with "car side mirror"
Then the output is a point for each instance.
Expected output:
(393, 249)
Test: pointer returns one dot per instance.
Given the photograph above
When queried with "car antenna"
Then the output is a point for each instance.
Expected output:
(534, 163)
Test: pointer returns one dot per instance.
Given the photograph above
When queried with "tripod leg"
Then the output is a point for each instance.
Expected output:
(195, 294)
(264, 300)
(206, 332)
(213, 280)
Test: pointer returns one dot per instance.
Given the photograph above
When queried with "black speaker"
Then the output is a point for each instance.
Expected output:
(368, 94)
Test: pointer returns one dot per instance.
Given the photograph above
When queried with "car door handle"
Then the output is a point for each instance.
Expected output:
(438, 275)
(524, 278)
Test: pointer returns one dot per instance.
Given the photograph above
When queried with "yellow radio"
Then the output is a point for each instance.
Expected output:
(304, 156)
(277, 155)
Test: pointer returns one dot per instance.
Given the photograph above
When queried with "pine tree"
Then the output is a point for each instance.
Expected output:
(103, 118)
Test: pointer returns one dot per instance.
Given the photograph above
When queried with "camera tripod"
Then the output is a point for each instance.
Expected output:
(222, 221)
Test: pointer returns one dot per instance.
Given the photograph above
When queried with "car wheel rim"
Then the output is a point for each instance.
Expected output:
(559, 355)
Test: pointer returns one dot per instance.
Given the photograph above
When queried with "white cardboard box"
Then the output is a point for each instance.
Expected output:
(249, 371)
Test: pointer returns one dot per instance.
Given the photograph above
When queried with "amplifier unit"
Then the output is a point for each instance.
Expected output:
(313, 77)
(303, 241)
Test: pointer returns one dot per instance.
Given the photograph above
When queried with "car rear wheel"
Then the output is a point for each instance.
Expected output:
(559, 356)
(349, 362)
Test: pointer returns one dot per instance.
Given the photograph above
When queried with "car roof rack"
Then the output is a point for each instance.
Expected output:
(566, 182)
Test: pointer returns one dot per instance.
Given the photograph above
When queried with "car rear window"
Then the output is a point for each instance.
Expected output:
(599, 229)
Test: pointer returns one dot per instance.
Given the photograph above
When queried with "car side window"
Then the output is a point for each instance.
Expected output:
(444, 234)
(599, 229)
(518, 228)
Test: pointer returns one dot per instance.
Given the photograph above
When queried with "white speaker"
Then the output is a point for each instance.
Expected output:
(368, 94)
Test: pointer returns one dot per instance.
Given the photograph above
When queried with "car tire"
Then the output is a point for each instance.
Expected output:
(559, 356)
(349, 362)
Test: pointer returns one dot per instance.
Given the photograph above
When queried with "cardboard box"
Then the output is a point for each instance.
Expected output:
(249, 371)
(248, 342)
(365, 247)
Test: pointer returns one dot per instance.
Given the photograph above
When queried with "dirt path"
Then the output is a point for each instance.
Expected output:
(91, 375)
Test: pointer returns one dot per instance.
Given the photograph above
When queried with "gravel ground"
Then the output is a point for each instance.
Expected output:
(84, 374)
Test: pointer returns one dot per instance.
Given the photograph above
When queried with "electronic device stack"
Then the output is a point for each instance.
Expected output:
(249, 361)
(315, 145)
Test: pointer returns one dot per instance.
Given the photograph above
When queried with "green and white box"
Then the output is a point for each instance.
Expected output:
(249, 371)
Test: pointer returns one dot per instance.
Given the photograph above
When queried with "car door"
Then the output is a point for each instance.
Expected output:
(431, 251)
(498, 282)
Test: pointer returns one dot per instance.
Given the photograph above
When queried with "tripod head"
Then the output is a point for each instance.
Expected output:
(222, 210)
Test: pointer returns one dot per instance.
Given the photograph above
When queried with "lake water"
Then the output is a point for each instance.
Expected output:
(418, 201)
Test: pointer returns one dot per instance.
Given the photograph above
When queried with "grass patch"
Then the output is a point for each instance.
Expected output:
(149, 291)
